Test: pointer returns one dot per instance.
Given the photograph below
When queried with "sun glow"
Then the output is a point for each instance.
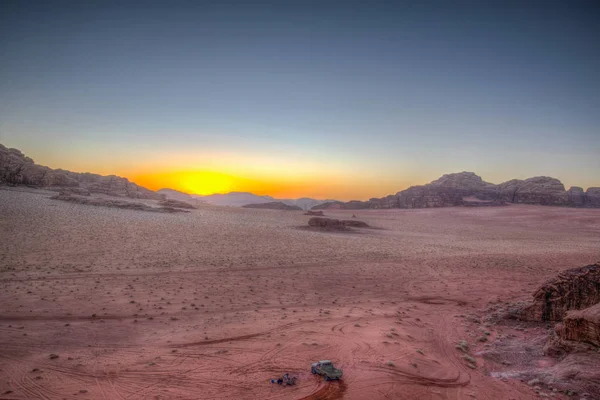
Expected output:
(205, 182)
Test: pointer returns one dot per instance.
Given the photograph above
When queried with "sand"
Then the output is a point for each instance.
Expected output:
(214, 303)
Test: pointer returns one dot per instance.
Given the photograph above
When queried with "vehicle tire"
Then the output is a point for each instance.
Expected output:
(313, 371)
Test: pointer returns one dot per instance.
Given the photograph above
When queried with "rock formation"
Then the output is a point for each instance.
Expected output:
(581, 325)
(315, 213)
(129, 205)
(576, 196)
(274, 205)
(355, 223)
(592, 197)
(17, 169)
(335, 224)
(574, 289)
(541, 190)
(466, 188)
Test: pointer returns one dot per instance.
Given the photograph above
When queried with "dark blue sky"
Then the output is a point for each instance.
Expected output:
(378, 95)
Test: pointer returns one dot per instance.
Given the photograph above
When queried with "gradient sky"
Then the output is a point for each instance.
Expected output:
(328, 99)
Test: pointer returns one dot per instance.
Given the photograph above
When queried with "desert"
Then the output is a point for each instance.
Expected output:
(111, 303)
(299, 200)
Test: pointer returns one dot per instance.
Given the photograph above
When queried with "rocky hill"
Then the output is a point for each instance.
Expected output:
(466, 187)
(17, 169)
(274, 205)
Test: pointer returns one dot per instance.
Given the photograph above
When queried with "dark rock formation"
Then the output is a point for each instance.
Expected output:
(581, 325)
(574, 289)
(176, 204)
(274, 205)
(592, 197)
(113, 203)
(355, 223)
(315, 213)
(335, 224)
(326, 223)
(576, 196)
(466, 188)
(541, 190)
(17, 169)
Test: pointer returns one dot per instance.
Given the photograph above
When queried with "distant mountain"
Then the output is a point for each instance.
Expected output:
(234, 199)
(274, 205)
(240, 199)
(466, 188)
(18, 169)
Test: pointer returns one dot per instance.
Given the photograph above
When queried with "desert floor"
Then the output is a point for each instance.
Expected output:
(214, 303)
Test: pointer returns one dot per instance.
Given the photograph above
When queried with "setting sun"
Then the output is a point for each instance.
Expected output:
(205, 182)
(195, 182)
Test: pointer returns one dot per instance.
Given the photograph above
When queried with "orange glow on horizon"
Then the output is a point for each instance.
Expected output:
(206, 182)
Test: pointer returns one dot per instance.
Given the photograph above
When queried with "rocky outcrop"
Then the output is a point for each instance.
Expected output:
(466, 188)
(17, 169)
(581, 325)
(541, 190)
(315, 213)
(576, 196)
(592, 197)
(129, 205)
(274, 205)
(574, 289)
(335, 224)
(355, 223)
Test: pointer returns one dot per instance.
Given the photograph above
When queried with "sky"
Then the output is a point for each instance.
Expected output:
(325, 99)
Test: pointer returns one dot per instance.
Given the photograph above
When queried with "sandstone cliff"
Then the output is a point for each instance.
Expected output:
(574, 289)
(17, 169)
(581, 325)
(466, 188)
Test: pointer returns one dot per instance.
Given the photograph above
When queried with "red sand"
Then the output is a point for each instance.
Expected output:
(215, 303)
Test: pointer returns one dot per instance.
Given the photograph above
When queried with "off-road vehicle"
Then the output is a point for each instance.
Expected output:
(326, 368)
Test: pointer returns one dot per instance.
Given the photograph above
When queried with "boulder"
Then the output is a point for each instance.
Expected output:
(581, 325)
(573, 289)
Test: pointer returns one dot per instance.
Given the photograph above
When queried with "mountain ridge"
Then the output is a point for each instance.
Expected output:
(454, 189)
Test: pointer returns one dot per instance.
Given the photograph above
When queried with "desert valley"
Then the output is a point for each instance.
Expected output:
(100, 299)
(299, 200)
